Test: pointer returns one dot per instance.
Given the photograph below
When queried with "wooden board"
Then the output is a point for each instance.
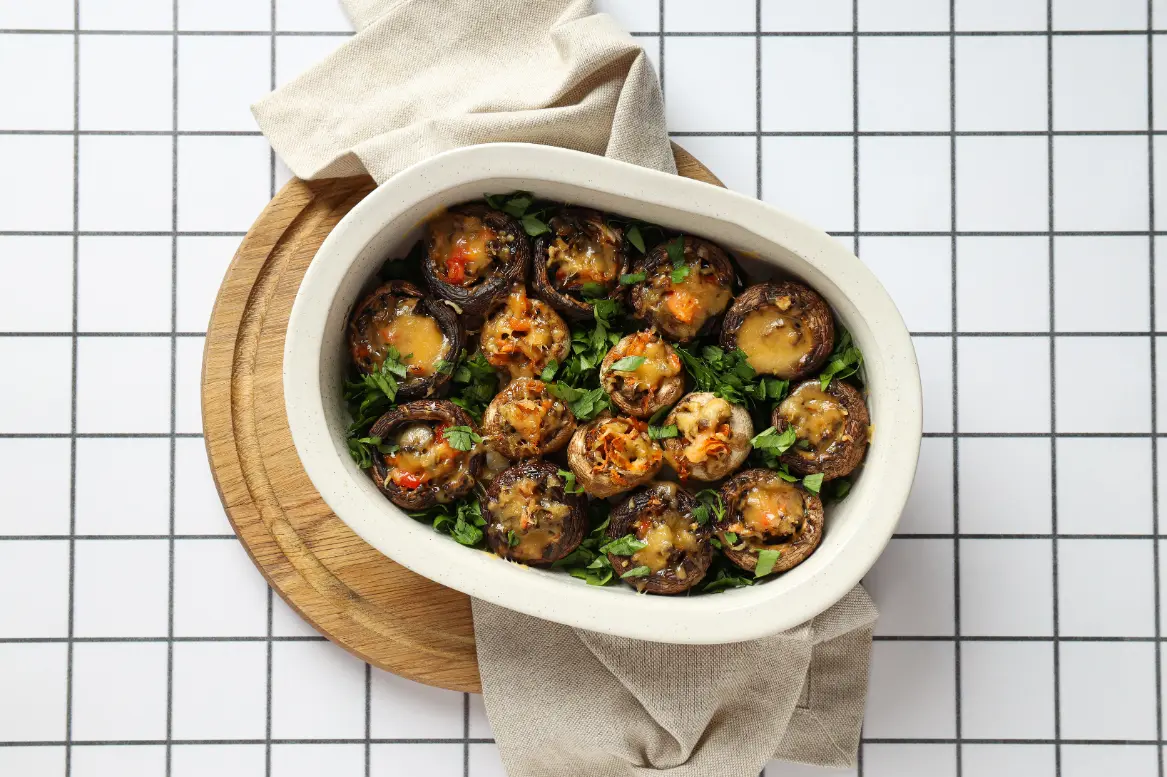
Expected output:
(361, 600)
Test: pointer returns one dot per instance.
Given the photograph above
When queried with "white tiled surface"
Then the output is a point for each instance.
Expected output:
(1020, 598)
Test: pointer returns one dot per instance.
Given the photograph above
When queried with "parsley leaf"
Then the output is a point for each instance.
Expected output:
(770, 440)
(633, 236)
(708, 502)
(593, 290)
(569, 486)
(512, 538)
(679, 273)
(675, 248)
(462, 520)
(813, 482)
(586, 562)
(548, 373)
(475, 383)
(845, 360)
(534, 227)
(461, 438)
(628, 364)
(839, 489)
(766, 560)
(627, 279)
(662, 432)
(729, 375)
(640, 571)
(725, 581)
(625, 546)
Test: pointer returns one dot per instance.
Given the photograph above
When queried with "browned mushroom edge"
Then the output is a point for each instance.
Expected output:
(656, 384)
(580, 249)
(613, 454)
(678, 551)
(831, 426)
(424, 332)
(784, 329)
(685, 310)
(713, 437)
(525, 420)
(522, 335)
(473, 255)
(766, 512)
(530, 517)
(425, 470)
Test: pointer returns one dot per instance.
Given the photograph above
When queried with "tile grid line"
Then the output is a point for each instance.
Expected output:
(855, 217)
(675, 134)
(1156, 593)
(270, 647)
(1053, 417)
(173, 390)
(956, 643)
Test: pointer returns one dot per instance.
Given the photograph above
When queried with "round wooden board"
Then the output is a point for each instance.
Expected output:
(358, 598)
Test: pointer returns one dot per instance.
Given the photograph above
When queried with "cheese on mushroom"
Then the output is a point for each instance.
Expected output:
(577, 256)
(776, 339)
(524, 335)
(424, 456)
(704, 428)
(664, 534)
(461, 247)
(525, 508)
(772, 511)
(417, 337)
(817, 417)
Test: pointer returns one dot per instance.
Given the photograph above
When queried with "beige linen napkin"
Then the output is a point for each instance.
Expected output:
(423, 76)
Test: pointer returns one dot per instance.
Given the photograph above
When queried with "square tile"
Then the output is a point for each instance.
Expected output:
(734, 160)
(1001, 15)
(917, 272)
(219, 77)
(126, 184)
(119, 690)
(485, 761)
(1090, 571)
(121, 588)
(798, 16)
(1006, 588)
(43, 300)
(403, 709)
(188, 404)
(32, 683)
(821, 98)
(904, 82)
(329, 15)
(34, 499)
(230, 602)
(1087, 15)
(1022, 305)
(42, 98)
(929, 508)
(223, 182)
(35, 760)
(406, 760)
(934, 355)
(1102, 284)
(912, 584)
(812, 178)
(701, 16)
(42, 15)
(318, 691)
(1127, 760)
(984, 365)
(1001, 82)
(909, 760)
(1122, 707)
(912, 691)
(202, 263)
(220, 690)
(985, 167)
(122, 760)
(988, 482)
(123, 384)
(1128, 508)
(125, 15)
(124, 284)
(123, 486)
(286, 622)
(1100, 183)
(1159, 82)
(903, 15)
(297, 53)
(1007, 690)
(28, 407)
(233, 760)
(197, 508)
(315, 760)
(1078, 407)
(905, 184)
(225, 15)
(35, 576)
(44, 200)
(1100, 82)
(1008, 760)
(710, 84)
(127, 82)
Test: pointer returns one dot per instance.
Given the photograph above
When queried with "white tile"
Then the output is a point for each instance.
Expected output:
(123, 284)
(904, 84)
(286, 622)
(407, 760)
(123, 384)
(318, 691)
(283, 174)
(985, 365)
(202, 263)
(702, 16)
(34, 499)
(1008, 761)
(912, 584)
(219, 77)
(1121, 707)
(127, 82)
(225, 15)
(315, 760)
(232, 760)
(121, 588)
(119, 690)
(934, 355)
(788, 769)
(909, 760)
(126, 15)
(1078, 407)
(32, 683)
(223, 182)
(1102, 284)
(1007, 690)
(42, 97)
(479, 721)
(44, 200)
(984, 304)
(912, 692)
(929, 508)
(820, 99)
(297, 53)
(34, 574)
(36, 407)
(992, 499)
(1006, 588)
(41, 15)
(986, 167)
(903, 15)
(218, 592)
(812, 178)
(1001, 15)
(799, 16)
(123, 486)
(1090, 572)
(126, 184)
(220, 690)
(1158, 13)
(328, 15)
(43, 300)
(1089, 15)
(122, 760)
(485, 761)
(1092, 760)
(905, 184)
(197, 508)
(1127, 502)
(1001, 83)
(710, 84)
(188, 407)
(1100, 183)
(917, 272)
(1100, 82)
(34, 759)
(403, 709)
(733, 160)
(1159, 83)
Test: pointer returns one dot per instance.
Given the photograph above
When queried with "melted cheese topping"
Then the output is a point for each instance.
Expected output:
(697, 298)
(621, 446)
(535, 518)
(704, 429)
(578, 256)
(775, 338)
(665, 533)
(524, 335)
(425, 457)
(418, 339)
(640, 386)
(817, 417)
(463, 247)
(772, 511)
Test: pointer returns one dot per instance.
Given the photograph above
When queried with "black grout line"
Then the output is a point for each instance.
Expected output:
(173, 388)
(898, 536)
(956, 652)
(67, 537)
(1053, 420)
(136, 133)
(113, 233)
(103, 334)
(153, 640)
(1010, 638)
(1023, 536)
(368, 719)
(180, 742)
(98, 435)
(191, 33)
(661, 59)
(1058, 435)
(757, 102)
(466, 718)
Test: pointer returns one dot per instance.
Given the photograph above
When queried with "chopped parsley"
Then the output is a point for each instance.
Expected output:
(813, 482)
(766, 560)
(593, 290)
(729, 375)
(845, 360)
(635, 238)
(569, 486)
(839, 489)
(475, 384)
(549, 371)
(368, 398)
(628, 279)
(462, 520)
(641, 571)
(625, 546)
(587, 562)
(731, 538)
(513, 539)
(518, 204)
(461, 438)
(628, 364)
(769, 445)
(662, 432)
(708, 504)
(675, 248)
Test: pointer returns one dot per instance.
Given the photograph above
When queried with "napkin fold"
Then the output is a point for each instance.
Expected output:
(424, 76)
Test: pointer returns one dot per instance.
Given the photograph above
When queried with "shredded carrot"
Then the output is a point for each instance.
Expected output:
(682, 305)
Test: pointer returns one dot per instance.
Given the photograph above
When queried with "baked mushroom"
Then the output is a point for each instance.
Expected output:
(473, 255)
(613, 454)
(650, 375)
(713, 437)
(685, 299)
(425, 333)
(580, 259)
(764, 513)
(530, 517)
(525, 420)
(426, 467)
(672, 551)
(784, 329)
(522, 335)
(831, 427)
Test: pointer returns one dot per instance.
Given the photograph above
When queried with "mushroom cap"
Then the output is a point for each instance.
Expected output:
(607, 483)
(497, 314)
(573, 526)
(512, 443)
(658, 497)
(670, 389)
(646, 306)
(733, 493)
(843, 456)
(568, 305)
(741, 432)
(818, 320)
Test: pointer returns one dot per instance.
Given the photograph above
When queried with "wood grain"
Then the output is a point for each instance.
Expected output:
(361, 600)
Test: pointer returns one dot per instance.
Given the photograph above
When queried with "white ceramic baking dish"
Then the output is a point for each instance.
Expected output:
(387, 222)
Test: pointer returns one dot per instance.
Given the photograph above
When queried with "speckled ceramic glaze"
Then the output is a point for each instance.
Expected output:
(388, 222)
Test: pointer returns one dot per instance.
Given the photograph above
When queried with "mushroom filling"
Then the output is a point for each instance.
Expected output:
(464, 248)
(423, 456)
(776, 339)
(693, 300)
(535, 418)
(620, 449)
(670, 537)
(529, 517)
(641, 384)
(819, 420)
(704, 430)
(770, 513)
(583, 252)
(415, 335)
(524, 335)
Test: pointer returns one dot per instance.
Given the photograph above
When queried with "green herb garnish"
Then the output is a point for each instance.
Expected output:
(731, 538)
(708, 503)
(462, 520)
(548, 373)
(476, 383)
(633, 236)
(766, 560)
(662, 432)
(625, 546)
(728, 374)
(593, 290)
(813, 482)
(512, 538)
(461, 438)
(628, 364)
(569, 482)
(641, 571)
(769, 445)
(628, 279)
(839, 489)
(845, 360)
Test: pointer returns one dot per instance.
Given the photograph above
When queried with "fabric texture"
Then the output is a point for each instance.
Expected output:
(424, 76)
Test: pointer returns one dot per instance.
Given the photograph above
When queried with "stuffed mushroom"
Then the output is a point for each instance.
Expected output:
(530, 517)
(613, 454)
(712, 439)
(831, 426)
(686, 287)
(768, 521)
(525, 420)
(473, 255)
(657, 546)
(642, 374)
(521, 335)
(580, 259)
(784, 329)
